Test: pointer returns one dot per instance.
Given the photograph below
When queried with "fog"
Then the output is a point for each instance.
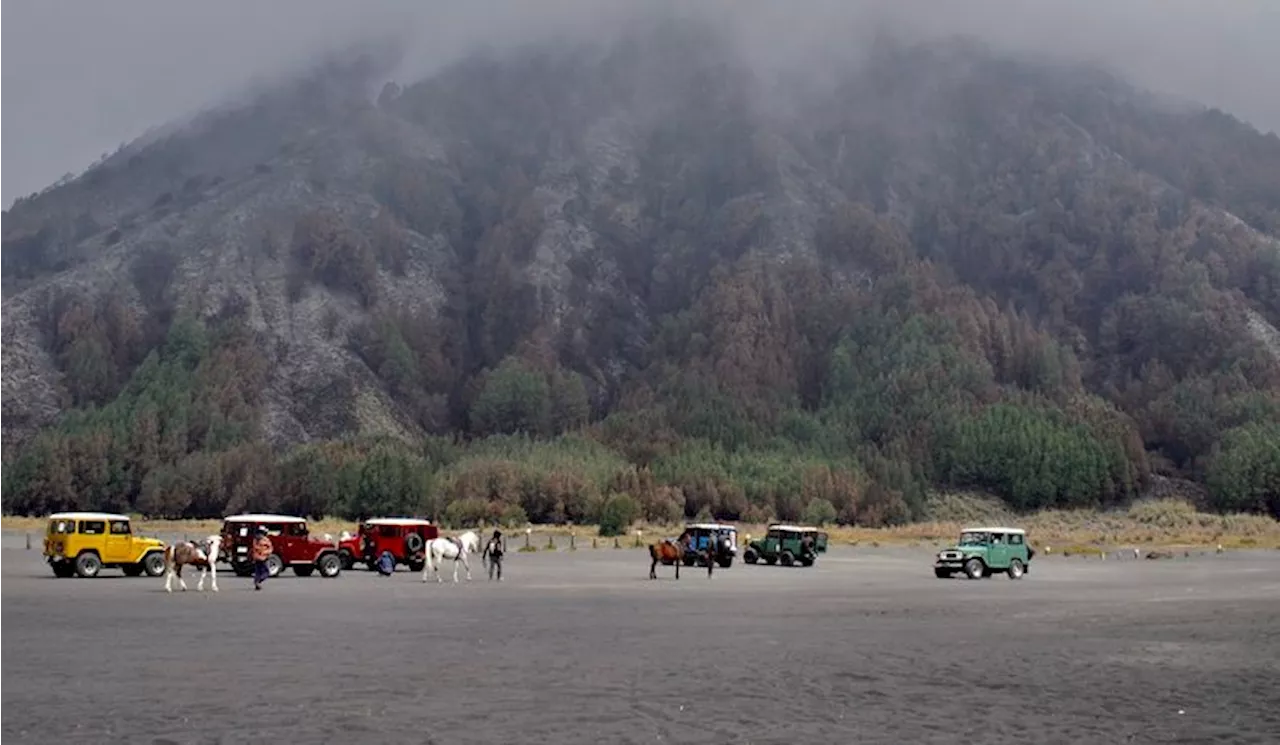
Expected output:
(80, 78)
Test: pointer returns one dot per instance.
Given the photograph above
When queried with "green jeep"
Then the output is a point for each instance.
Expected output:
(982, 552)
(789, 544)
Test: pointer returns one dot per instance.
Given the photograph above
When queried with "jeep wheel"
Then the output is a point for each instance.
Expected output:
(942, 573)
(771, 560)
(153, 564)
(413, 543)
(788, 558)
(62, 569)
(303, 570)
(750, 556)
(242, 568)
(690, 560)
(725, 563)
(88, 565)
(417, 566)
(1015, 569)
(132, 570)
(330, 565)
(275, 565)
(975, 569)
(348, 561)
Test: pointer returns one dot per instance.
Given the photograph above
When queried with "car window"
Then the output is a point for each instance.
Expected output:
(120, 527)
(1015, 539)
(973, 539)
(997, 537)
(93, 527)
(62, 527)
(296, 529)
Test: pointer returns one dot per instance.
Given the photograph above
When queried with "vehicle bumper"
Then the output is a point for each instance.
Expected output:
(955, 564)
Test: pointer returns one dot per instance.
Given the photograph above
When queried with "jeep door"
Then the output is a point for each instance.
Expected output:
(118, 548)
(998, 552)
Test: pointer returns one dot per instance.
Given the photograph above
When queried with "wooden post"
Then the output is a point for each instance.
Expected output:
(551, 542)
(572, 547)
(527, 532)
(593, 542)
(615, 542)
(28, 541)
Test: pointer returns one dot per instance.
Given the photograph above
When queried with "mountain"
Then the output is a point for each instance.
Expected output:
(647, 277)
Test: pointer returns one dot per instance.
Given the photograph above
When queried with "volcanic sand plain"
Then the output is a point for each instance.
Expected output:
(580, 646)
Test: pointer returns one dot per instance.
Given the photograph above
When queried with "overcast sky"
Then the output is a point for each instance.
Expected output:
(81, 77)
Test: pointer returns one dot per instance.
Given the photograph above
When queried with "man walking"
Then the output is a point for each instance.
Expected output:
(261, 552)
(493, 552)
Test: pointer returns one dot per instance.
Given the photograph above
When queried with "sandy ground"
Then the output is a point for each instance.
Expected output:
(581, 647)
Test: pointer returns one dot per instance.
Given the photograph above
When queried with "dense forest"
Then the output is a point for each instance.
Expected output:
(661, 293)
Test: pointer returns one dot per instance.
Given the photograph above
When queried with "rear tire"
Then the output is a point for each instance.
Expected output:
(242, 569)
(725, 563)
(153, 564)
(132, 570)
(942, 573)
(62, 569)
(88, 565)
(330, 565)
(788, 559)
(750, 556)
(1016, 569)
(417, 566)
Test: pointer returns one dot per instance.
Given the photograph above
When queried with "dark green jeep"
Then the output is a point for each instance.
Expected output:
(982, 552)
(788, 544)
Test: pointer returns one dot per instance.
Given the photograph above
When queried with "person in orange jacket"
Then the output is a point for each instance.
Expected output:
(261, 552)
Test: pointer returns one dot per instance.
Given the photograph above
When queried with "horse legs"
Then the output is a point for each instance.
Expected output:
(181, 582)
(200, 584)
(466, 564)
(678, 562)
(653, 565)
(168, 576)
(213, 575)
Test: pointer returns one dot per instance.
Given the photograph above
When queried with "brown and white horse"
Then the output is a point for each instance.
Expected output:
(203, 555)
(668, 551)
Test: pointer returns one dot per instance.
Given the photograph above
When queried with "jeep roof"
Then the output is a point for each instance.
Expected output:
(709, 526)
(792, 528)
(396, 521)
(264, 518)
(993, 530)
(87, 516)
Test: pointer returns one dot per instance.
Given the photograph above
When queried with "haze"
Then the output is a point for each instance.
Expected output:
(81, 78)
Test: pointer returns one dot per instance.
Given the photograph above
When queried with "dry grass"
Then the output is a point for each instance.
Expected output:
(1149, 524)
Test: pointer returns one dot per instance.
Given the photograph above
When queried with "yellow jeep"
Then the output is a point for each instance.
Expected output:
(84, 542)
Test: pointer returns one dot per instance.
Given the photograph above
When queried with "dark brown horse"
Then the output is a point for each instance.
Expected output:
(668, 551)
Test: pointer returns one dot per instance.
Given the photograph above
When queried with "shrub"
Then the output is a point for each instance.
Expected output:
(617, 514)
(820, 512)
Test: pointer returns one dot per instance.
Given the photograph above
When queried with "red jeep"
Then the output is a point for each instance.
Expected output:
(293, 546)
(405, 537)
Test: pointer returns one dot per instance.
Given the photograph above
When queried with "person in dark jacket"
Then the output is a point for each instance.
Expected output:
(493, 551)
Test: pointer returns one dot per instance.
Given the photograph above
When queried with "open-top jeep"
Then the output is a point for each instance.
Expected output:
(404, 537)
(790, 544)
(981, 552)
(84, 542)
(724, 539)
(292, 546)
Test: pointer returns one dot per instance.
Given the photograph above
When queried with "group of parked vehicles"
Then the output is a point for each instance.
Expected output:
(85, 543)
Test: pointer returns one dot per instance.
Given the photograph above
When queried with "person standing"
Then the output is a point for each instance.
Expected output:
(261, 552)
(493, 551)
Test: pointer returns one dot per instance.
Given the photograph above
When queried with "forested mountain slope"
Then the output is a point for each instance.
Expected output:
(644, 277)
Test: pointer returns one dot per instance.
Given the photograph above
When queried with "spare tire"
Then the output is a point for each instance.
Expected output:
(413, 543)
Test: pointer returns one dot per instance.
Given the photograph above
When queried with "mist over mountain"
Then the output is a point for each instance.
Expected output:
(658, 271)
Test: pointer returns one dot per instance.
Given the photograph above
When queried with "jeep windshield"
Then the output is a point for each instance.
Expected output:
(973, 539)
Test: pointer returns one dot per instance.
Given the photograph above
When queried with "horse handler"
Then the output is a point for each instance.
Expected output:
(261, 552)
(493, 551)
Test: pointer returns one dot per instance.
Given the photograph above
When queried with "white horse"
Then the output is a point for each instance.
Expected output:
(203, 555)
(440, 549)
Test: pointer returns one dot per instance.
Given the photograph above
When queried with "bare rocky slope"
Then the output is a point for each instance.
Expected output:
(559, 204)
